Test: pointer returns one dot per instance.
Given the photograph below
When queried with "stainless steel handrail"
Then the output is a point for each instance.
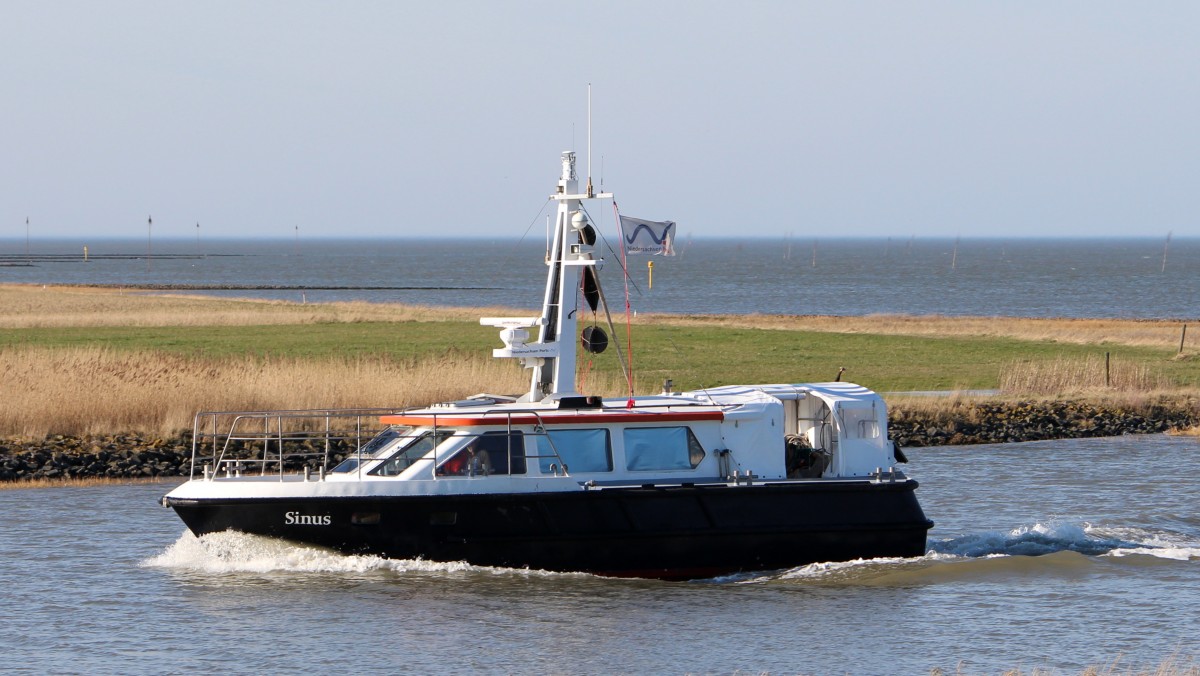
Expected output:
(228, 427)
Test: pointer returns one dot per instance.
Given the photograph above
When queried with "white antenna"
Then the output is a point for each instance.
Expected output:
(589, 140)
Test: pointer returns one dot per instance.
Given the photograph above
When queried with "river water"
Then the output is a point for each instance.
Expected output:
(1123, 278)
(1054, 554)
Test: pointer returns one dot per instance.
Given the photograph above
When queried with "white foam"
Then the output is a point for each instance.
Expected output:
(1175, 553)
(232, 552)
(836, 569)
(1040, 538)
(1160, 544)
(1082, 537)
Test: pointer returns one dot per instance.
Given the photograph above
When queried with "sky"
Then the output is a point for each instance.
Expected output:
(745, 119)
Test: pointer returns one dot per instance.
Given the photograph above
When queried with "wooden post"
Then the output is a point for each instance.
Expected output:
(1182, 337)
(1107, 373)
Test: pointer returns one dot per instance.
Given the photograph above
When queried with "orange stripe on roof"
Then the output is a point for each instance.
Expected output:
(556, 417)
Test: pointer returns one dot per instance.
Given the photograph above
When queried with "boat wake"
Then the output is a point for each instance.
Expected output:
(1065, 547)
(1047, 538)
(231, 552)
(1083, 538)
(1042, 547)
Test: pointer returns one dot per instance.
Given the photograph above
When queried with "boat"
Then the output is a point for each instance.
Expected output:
(674, 485)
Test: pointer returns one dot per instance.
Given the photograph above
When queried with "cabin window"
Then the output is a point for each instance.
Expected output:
(860, 423)
(373, 448)
(412, 452)
(382, 439)
(657, 448)
(578, 450)
(489, 453)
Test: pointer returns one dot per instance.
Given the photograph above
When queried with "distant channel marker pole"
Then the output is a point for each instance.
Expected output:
(149, 227)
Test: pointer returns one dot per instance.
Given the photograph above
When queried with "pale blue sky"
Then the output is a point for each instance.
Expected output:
(405, 119)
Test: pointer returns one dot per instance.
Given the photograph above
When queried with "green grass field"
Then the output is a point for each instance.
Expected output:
(691, 356)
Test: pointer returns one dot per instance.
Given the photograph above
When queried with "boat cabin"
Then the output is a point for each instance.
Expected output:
(742, 433)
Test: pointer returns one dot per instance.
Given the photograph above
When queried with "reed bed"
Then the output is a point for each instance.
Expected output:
(1079, 375)
(95, 390)
(1130, 386)
(1186, 432)
(1173, 665)
(78, 482)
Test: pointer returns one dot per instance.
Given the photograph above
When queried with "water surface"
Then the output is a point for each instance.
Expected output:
(1047, 554)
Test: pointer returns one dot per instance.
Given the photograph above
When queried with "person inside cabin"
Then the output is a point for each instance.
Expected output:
(470, 461)
(481, 460)
(487, 454)
(457, 465)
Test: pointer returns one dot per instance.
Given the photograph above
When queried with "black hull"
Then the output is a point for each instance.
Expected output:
(663, 532)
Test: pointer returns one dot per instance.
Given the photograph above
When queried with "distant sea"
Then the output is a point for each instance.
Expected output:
(1118, 278)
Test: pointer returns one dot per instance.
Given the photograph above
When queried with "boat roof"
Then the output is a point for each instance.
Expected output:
(831, 392)
(568, 411)
(710, 404)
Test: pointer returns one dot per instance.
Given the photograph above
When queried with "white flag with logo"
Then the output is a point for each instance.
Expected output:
(648, 237)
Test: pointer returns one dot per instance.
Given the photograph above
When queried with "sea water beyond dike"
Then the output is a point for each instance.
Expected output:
(132, 456)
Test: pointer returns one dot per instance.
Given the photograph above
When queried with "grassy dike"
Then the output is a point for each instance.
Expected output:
(82, 367)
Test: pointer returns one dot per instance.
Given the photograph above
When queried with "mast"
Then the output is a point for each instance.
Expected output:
(552, 356)
(556, 375)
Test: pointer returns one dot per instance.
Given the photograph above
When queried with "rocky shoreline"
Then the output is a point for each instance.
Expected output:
(132, 456)
(1009, 422)
(126, 456)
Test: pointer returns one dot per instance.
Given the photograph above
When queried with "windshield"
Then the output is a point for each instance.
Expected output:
(375, 447)
(414, 451)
